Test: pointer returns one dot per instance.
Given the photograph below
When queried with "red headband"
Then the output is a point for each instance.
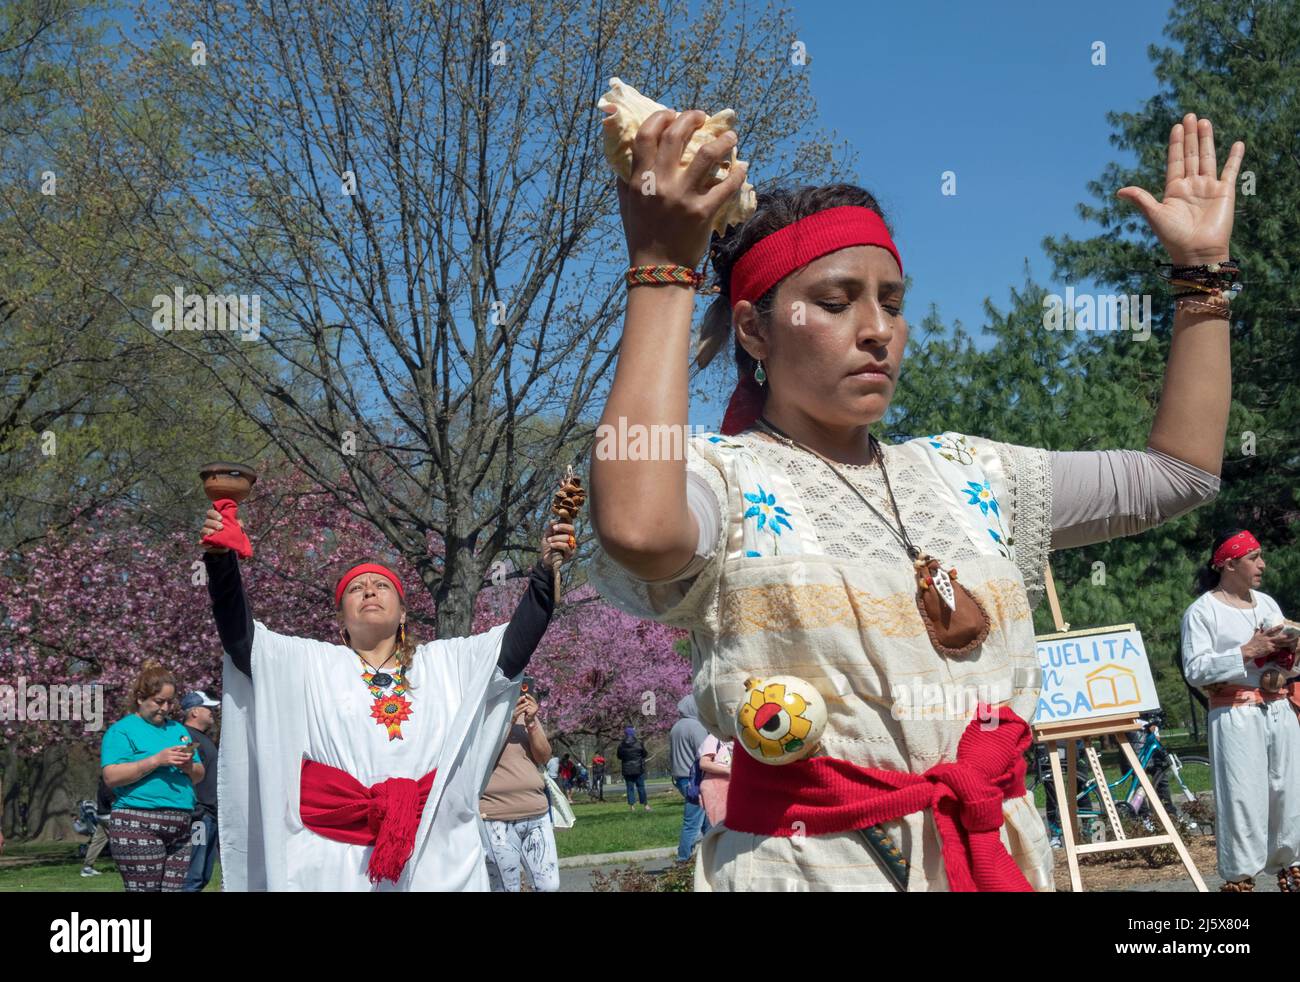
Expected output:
(774, 257)
(356, 571)
(1239, 545)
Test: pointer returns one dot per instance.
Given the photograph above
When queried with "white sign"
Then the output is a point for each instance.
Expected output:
(1102, 671)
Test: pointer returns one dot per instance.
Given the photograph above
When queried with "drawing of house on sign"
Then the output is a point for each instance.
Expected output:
(1112, 686)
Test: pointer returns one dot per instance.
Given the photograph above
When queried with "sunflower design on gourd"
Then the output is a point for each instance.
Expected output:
(781, 719)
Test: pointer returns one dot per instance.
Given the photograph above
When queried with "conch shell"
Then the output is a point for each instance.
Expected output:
(627, 109)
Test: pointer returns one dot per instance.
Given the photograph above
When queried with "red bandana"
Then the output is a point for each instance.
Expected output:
(776, 256)
(356, 571)
(1236, 547)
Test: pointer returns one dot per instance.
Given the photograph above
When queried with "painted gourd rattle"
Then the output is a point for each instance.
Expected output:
(781, 719)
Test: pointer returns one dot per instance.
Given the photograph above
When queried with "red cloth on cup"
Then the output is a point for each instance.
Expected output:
(232, 533)
(1284, 658)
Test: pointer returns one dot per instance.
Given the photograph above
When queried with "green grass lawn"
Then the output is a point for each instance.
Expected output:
(612, 827)
(601, 827)
(53, 867)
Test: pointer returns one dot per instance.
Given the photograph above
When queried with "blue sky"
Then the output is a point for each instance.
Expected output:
(1005, 95)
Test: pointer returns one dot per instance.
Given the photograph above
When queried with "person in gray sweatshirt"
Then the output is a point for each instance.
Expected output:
(686, 736)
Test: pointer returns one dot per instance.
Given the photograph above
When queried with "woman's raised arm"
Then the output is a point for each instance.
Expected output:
(638, 507)
(1194, 224)
(229, 605)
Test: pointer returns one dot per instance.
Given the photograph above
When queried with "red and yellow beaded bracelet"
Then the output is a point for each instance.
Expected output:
(658, 275)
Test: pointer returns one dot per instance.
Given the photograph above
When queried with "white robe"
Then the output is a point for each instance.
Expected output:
(306, 700)
(1254, 750)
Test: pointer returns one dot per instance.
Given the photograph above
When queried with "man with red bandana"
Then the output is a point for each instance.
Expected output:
(1234, 647)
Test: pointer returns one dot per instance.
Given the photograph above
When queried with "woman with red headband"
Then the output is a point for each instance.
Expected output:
(357, 764)
(1236, 648)
(897, 580)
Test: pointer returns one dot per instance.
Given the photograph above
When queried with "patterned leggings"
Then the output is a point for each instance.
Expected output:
(151, 848)
(529, 842)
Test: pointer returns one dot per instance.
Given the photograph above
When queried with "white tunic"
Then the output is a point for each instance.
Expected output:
(307, 700)
(821, 590)
(1254, 750)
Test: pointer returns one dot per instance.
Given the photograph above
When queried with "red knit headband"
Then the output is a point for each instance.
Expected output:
(356, 571)
(774, 257)
(1239, 545)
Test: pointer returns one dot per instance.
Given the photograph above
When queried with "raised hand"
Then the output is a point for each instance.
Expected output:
(558, 544)
(212, 524)
(670, 220)
(1194, 221)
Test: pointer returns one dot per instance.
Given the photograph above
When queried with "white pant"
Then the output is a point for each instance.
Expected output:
(528, 842)
(1255, 756)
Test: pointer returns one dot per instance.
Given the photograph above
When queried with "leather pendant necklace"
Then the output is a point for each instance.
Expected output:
(955, 621)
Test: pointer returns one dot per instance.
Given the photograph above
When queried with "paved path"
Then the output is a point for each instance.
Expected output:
(575, 872)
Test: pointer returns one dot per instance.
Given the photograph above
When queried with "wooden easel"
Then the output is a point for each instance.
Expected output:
(1087, 730)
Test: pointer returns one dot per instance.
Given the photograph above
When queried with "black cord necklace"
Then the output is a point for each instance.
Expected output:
(954, 618)
(879, 456)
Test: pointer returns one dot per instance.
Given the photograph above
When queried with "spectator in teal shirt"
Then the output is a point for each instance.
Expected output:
(152, 763)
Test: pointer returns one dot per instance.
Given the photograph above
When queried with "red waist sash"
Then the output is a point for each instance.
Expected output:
(1245, 695)
(826, 795)
(386, 815)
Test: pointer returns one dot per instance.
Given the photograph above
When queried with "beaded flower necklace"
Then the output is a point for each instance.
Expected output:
(390, 710)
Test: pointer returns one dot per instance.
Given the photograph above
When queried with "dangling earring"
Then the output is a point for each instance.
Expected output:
(760, 376)
(401, 634)
(343, 636)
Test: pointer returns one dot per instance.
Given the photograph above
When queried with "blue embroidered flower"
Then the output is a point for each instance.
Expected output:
(996, 538)
(770, 515)
(981, 495)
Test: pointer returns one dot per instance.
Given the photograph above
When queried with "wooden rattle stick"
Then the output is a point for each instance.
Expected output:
(565, 505)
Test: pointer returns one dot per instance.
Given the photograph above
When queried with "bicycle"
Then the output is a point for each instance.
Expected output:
(1187, 771)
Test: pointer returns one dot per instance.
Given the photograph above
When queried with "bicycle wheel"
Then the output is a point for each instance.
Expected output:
(1195, 775)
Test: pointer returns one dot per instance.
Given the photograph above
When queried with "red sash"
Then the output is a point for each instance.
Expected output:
(827, 795)
(1245, 695)
(387, 815)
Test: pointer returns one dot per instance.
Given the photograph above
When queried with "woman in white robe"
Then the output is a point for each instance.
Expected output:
(297, 707)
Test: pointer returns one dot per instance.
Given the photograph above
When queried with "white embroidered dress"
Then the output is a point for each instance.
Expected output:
(806, 581)
(307, 701)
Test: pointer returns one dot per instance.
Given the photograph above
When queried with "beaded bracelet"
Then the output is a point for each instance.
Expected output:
(1214, 305)
(1214, 279)
(658, 275)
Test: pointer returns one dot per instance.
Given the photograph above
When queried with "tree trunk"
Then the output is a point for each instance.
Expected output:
(462, 576)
